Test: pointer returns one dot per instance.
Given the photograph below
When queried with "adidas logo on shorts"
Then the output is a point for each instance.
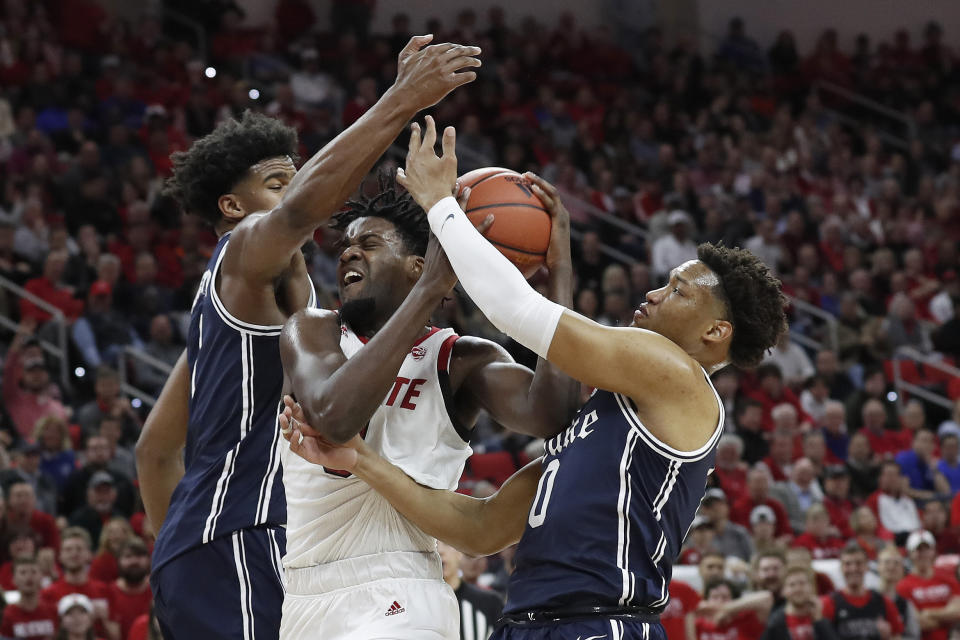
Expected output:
(394, 609)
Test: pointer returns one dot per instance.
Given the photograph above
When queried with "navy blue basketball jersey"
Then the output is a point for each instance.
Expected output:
(233, 478)
(611, 512)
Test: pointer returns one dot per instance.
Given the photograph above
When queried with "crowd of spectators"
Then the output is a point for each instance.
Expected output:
(736, 145)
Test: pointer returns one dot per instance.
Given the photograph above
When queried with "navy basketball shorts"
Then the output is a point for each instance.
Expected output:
(231, 587)
(584, 629)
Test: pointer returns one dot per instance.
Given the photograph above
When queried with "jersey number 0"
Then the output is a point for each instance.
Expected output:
(538, 510)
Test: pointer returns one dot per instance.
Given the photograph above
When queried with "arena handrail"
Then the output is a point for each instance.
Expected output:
(138, 354)
(59, 350)
(927, 360)
(826, 316)
(878, 108)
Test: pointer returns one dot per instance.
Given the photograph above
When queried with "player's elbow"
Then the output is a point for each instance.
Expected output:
(330, 419)
(152, 453)
(491, 532)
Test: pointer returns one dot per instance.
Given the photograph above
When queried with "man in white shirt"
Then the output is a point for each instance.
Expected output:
(764, 244)
(895, 510)
(941, 305)
(674, 248)
(794, 363)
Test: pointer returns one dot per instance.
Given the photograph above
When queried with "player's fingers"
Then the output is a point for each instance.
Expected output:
(414, 145)
(485, 224)
(285, 429)
(463, 198)
(440, 48)
(415, 44)
(401, 177)
(540, 193)
(449, 144)
(543, 184)
(297, 412)
(430, 134)
(462, 78)
(462, 62)
(460, 50)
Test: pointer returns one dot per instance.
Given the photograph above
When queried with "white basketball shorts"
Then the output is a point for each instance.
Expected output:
(389, 596)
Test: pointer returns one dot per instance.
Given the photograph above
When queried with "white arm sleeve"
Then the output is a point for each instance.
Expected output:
(493, 282)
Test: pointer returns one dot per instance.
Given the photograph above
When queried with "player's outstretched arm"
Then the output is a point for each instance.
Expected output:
(338, 395)
(472, 525)
(640, 364)
(425, 74)
(160, 446)
(539, 403)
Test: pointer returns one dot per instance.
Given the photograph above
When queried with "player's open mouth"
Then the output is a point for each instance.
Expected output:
(351, 277)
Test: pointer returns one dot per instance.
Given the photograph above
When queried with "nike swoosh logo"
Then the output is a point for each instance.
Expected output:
(593, 637)
(442, 225)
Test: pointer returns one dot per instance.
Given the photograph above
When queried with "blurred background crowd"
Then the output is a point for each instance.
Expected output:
(655, 145)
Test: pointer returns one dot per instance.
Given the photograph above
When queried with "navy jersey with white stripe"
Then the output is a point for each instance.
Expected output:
(232, 477)
(611, 512)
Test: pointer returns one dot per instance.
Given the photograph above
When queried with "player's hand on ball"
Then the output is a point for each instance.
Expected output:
(307, 443)
(427, 177)
(558, 251)
(425, 74)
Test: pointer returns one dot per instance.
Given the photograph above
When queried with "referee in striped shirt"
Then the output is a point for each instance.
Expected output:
(479, 608)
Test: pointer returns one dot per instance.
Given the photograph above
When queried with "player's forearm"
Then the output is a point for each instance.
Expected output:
(450, 517)
(492, 282)
(158, 478)
(325, 182)
(476, 527)
(159, 450)
(334, 407)
(553, 394)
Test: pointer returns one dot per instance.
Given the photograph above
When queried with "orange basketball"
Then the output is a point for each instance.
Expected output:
(521, 224)
(475, 177)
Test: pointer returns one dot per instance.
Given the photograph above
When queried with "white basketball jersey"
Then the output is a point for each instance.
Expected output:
(332, 515)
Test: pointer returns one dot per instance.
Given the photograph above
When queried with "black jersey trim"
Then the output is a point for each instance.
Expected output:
(443, 377)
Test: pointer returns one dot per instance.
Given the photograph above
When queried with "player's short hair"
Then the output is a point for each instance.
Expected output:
(216, 162)
(79, 533)
(394, 206)
(753, 300)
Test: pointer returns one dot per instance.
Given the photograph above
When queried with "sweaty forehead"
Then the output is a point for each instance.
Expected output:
(696, 273)
(370, 225)
(274, 165)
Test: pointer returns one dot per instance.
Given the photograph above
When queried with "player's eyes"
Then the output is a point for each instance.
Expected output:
(676, 290)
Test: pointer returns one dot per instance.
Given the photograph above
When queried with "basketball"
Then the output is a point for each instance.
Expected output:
(521, 224)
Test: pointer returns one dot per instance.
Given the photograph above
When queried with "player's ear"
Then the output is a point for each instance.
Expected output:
(230, 207)
(414, 266)
(719, 331)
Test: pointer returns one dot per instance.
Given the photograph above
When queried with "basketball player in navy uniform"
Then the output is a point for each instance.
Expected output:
(604, 512)
(356, 568)
(220, 507)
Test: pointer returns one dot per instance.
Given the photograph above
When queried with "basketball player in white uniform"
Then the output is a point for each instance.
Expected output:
(356, 568)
